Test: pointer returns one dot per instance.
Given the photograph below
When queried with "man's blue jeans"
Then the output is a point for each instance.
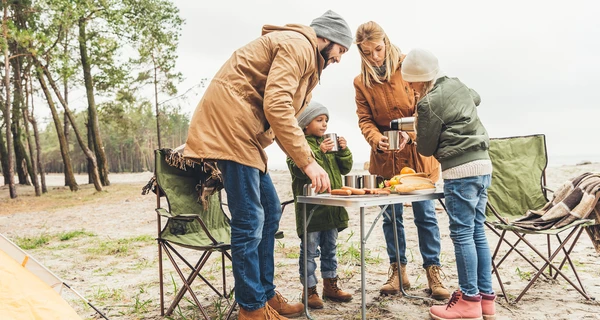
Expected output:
(255, 214)
(327, 242)
(427, 231)
(466, 199)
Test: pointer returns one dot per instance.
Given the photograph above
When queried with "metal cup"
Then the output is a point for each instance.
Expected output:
(353, 181)
(334, 138)
(371, 181)
(394, 139)
(308, 190)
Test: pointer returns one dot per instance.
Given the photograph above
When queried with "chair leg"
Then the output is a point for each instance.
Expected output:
(186, 287)
(568, 258)
(548, 263)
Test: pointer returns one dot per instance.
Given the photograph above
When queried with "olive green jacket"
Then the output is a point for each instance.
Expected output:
(448, 126)
(335, 164)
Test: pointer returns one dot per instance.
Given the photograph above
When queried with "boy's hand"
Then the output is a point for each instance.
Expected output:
(342, 142)
(327, 145)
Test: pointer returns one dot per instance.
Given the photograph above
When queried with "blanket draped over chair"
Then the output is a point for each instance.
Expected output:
(572, 201)
(211, 180)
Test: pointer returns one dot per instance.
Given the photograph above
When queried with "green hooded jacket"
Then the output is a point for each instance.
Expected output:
(335, 164)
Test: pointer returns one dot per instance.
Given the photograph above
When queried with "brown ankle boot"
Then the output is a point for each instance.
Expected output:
(333, 292)
(460, 306)
(281, 305)
(265, 312)
(488, 306)
(391, 286)
(314, 301)
(434, 280)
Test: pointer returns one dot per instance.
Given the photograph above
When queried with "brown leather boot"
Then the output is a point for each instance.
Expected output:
(314, 301)
(391, 286)
(438, 290)
(333, 292)
(281, 305)
(265, 313)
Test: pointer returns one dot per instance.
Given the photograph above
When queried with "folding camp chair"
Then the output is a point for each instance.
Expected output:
(190, 225)
(518, 185)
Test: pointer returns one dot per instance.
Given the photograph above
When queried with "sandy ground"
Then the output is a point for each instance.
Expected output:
(113, 259)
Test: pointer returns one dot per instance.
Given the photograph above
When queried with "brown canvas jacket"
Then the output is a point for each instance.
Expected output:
(255, 97)
(376, 107)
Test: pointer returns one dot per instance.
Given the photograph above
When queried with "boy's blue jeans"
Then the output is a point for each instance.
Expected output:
(466, 199)
(327, 242)
(255, 214)
(427, 231)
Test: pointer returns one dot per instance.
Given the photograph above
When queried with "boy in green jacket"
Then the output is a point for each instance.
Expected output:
(326, 220)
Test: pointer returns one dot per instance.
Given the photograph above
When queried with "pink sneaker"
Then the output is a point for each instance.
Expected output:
(460, 307)
(488, 306)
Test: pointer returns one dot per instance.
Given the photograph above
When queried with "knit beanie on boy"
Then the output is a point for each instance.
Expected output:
(420, 65)
(333, 27)
(313, 110)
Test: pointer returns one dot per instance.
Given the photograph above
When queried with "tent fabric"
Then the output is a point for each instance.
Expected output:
(519, 163)
(179, 186)
(24, 296)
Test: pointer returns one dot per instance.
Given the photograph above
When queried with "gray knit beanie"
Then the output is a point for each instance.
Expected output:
(333, 27)
(313, 110)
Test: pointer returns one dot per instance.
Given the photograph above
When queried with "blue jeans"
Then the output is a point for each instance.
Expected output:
(255, 214)
(326, 240)
(427, 231)
(466, 199)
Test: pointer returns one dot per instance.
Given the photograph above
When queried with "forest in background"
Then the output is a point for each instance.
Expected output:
(121, 55)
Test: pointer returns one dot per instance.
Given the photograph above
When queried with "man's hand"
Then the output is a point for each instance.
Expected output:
(318, 177)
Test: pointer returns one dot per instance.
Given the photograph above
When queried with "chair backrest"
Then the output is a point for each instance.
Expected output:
(518, 178)
(179, 188)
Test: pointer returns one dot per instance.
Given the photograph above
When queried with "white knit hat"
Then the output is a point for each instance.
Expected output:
(420, 65)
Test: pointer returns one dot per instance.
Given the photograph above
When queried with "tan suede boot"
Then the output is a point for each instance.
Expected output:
(333, 292)
(459, 306)
(391, 286)
(314, 301)
(281, 305)
(434, 280)
(263, 313)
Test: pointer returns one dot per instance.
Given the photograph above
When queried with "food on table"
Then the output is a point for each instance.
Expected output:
(407, 170)
(355, 190)
(341, 192)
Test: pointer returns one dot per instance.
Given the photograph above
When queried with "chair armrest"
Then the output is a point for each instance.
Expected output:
(163, 212)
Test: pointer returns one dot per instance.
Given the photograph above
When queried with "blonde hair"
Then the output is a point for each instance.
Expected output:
(427, 86)
(372, 32)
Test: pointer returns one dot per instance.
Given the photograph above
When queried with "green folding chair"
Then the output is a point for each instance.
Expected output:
(190, 225)
(518, 185)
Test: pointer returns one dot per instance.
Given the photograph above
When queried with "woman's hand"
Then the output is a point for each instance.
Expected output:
(342, 142)
(326, 145)
(383, 143)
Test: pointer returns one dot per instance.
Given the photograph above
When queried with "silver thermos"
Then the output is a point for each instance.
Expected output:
(403, 124)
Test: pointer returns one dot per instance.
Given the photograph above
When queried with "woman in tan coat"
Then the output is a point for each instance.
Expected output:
(381, 96)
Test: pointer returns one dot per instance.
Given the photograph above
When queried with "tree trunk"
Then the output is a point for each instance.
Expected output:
(22, 160)
(88, 153)
(36, 135)
(64, 149)
(34, 167)
(3, 152)
(12, 190)
(93, 120)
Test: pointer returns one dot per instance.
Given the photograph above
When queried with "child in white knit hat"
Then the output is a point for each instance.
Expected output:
(449, 128)
(326, 221)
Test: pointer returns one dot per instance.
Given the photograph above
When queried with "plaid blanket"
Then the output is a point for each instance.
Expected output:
(210, 181)
(574, 200)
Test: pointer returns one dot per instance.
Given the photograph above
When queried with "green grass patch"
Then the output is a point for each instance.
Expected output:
(28, 243)
(118, 247)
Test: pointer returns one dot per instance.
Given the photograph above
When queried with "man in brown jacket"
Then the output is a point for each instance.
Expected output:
(252, 101)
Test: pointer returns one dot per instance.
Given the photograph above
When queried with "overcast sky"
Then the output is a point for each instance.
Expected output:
(534, 63)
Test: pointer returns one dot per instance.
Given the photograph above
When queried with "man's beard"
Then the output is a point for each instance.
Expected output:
(326, 52)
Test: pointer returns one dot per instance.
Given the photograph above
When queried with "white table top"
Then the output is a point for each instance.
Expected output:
(367, 200)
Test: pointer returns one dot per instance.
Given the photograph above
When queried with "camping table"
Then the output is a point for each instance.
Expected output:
(361, 202)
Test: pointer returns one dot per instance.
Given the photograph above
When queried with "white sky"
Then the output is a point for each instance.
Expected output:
(534, 63)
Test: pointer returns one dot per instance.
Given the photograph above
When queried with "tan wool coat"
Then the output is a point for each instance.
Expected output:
(255, 97)
(376, 107)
